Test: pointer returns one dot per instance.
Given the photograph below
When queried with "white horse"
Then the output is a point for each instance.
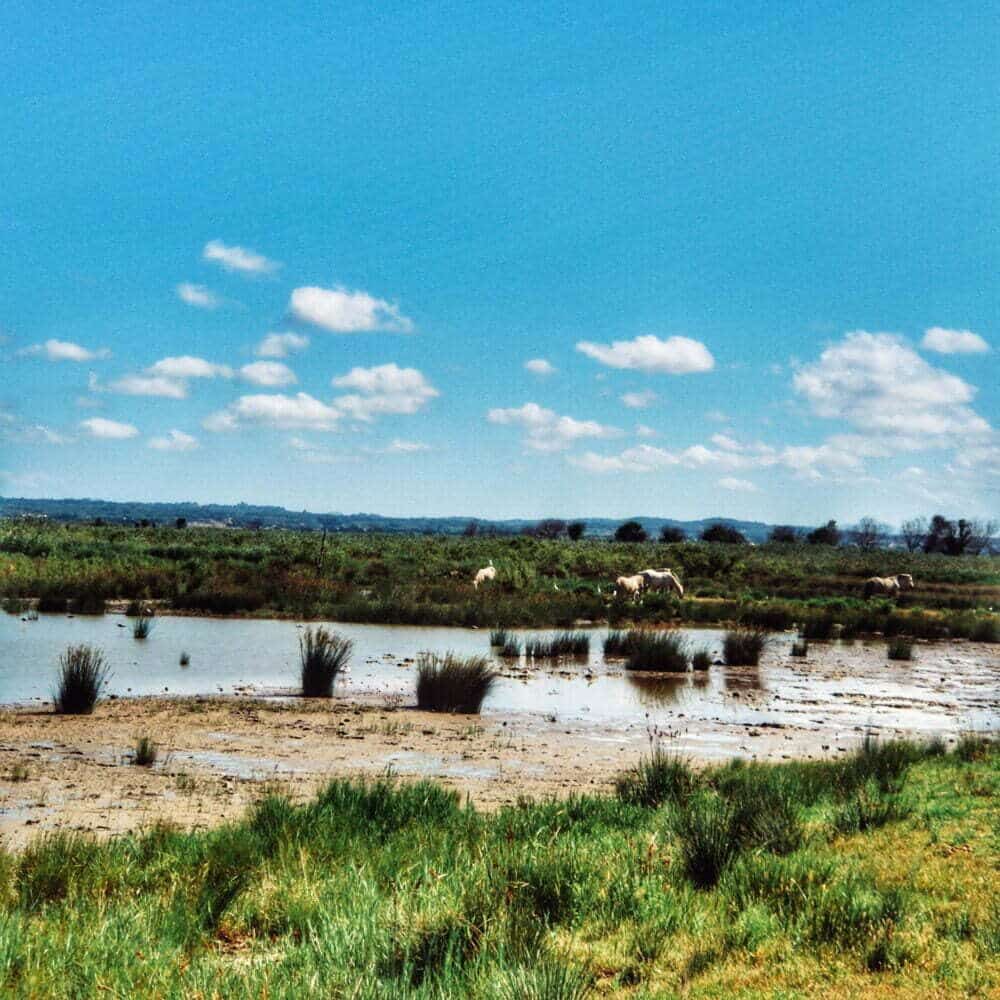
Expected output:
(485, 574)
(889, 586)
(663, 579)
(630, 585)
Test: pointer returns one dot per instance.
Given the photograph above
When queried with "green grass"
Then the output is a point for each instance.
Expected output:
(743, 647)
(82, 676)
(322, 656)
(562, 644)
(452, 683)
(663, 651)
(383, 889)
(899, 648)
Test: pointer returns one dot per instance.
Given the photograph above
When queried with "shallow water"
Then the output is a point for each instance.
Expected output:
(845, 686)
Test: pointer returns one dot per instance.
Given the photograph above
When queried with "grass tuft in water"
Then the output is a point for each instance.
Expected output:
(323, 655)
(743, 647)
(899, 648)
(800, 647)
(664, 651)
(453, 683)
(142, 626)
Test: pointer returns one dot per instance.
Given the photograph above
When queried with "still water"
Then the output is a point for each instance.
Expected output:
(947, 685)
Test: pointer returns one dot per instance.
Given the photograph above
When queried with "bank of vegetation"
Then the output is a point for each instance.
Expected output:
(540, 581)
(872, 873)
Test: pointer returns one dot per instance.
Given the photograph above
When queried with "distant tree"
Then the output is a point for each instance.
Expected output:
(914, 532)
(956, 538)
(471, 529)
(549, 528)
(723, 533)
(869, 534)
(828, 534)
(783, 534)
(630, 531)
(670, 535)
(98, 522)
(983, 537)
(181, 522)
(576, 530)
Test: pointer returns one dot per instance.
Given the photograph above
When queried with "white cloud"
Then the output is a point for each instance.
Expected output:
(546, 430)
(643, 431)
(237, 258)
(878, 383)
(738, 485)
(12, 430)
(539, 366)
(639, 400)
(384, 389)
(400, 447)
(65, 350)
(186, 366)
(953, 341)
(196, 295)
(99, 427)
(280, 345)
(717, 417)
(268, 373)
(673, 356)
(343, 311)
(278, 410)
(150, 385)
(174, 441)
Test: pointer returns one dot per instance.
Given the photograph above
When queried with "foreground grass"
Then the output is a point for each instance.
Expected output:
(399, 890)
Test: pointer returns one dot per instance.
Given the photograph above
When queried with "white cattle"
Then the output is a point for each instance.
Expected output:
(485, 574)
(663, 579)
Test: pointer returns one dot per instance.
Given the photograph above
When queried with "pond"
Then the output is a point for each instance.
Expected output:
(847, 686)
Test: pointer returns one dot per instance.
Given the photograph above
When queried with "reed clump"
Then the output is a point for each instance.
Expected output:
(142, 626)
(146, 752)
(322, 655)
(562, 644)
(743, 647)
(453, 683)
(83, 673)
(899, 648)
(662, 651)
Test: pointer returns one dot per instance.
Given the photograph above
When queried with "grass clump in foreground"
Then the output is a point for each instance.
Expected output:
(323, 655)
(387, 889)
(452, 683)
(743, 647)
(83, 674)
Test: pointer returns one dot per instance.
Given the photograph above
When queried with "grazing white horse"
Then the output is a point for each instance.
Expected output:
(890, 586)
(631, 585)
(663, 579)
(485, 574)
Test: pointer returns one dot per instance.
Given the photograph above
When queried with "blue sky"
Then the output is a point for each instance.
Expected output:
(726, 230)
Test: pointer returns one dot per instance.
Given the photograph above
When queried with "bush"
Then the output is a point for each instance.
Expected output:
(661, 651)
(743, 647)
(146, 752)
(323, 656)
(452, 683)
(899, 648)
(82, 675)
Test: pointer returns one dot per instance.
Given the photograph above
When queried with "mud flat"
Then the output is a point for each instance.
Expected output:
(546, 732)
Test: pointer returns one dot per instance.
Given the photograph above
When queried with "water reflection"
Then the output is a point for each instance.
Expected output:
(657, 691)
(742, 679)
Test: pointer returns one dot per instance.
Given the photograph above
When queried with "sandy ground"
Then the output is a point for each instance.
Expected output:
(219, 754)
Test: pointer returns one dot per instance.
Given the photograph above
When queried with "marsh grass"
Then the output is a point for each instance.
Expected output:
(800, 647)
(185, 659)
(510, 648)
(322, 656)
(453, 683)
(83, 673)
(499, 637)
(822, 626)
(146, 752)
(657, 778)
(562, 645)
(899, 648)
(701, 659)
(985, 630)
(664, 651)
(743, 647)
(142, 626)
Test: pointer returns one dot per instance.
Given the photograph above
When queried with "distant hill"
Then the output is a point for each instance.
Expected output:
(244, 515)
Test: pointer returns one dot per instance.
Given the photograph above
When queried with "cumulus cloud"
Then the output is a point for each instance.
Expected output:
(644, 431)
(673, 356)
(945, 341)
(186, 366)
(639, 400)
(300, 411)
(878, 383)
(280, 345)
(234, 258)
(343, 311)
(174, 441)
(112, 430)
(65, 350)
(546, 431)
(738, 485)
(268, 373)
(400, 447)
(384, 389)
(196, 295)
(150, 385)
(539, 366)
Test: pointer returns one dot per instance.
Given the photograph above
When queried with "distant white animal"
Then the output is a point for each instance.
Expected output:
(630, 585)
(890, 586)
(485, 574)
(663, 579)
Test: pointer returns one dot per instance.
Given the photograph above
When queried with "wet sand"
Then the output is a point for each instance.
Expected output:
(218, 755)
